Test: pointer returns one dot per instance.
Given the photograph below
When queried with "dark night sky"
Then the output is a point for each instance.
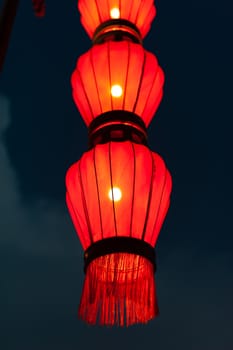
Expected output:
(41, 134)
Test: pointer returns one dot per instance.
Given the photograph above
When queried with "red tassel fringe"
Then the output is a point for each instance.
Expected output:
(119, 289)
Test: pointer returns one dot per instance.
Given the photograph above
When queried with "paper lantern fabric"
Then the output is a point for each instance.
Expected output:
(137, 180)
(117, 76)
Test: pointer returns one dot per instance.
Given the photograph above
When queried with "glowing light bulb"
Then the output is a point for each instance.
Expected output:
(116, 90)
(115, 194)
(115, 13)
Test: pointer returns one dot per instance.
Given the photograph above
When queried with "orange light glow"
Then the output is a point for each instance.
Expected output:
(115, 194)
(115, 13)
(116, 91)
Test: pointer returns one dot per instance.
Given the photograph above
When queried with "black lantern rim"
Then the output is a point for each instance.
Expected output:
(118, 126)
(119, 245)
(116, 30)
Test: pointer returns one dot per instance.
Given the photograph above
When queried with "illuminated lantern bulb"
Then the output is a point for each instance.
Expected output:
(115, 194)
(115, 13)
(116, 91)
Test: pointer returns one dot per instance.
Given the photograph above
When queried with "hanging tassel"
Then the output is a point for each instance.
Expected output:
(119, 289)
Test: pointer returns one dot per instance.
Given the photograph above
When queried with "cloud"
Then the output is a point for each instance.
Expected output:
(42, 228)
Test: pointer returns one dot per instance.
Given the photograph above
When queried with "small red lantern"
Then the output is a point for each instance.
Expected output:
(118, 210)
(117, 76)
(39, 7)
(94, 14)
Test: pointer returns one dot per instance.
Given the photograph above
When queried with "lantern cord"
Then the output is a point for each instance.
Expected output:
(119, 289)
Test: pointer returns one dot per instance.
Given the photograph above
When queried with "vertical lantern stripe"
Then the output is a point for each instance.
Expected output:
(140, 83)
(95, 79)
(87, 218)
(163, 206)
(81, 97)
(133, 189)
(111, 189)
(126, 76)
(147, 87)
(149, 197)
(98, 10)
(75, 220)
(98, 194)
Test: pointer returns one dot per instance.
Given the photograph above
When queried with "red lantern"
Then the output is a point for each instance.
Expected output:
(117, 76)
(118, 194)
(140, 13)
(39, 7)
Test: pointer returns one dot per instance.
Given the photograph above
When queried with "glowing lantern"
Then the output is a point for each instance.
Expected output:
(94, 14)
(103, 82)
(118, 194)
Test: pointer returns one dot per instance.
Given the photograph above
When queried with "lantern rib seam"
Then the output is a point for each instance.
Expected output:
(151, 88)
(97, 185)
(97, 7)
(133, 195)
(150, 196)
(148, 12)
(158, 99)
(139, 9)
(113, 202)
(93, 69)
(109, 72)
(140, 82)
(74, 212)
(160, 201)
(89, 13)
(85, 205)
(130, 12)
(126, 78)
(83, 86)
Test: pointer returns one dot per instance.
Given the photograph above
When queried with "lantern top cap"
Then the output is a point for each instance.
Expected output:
(116, 30)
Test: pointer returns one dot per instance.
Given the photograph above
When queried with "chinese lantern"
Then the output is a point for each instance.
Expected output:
(101, 82)
(118, 211)
(39, 7)
(118, 193)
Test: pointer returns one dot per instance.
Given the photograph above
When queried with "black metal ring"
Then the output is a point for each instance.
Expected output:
(117, 125)
(117, 29)
(119, 245)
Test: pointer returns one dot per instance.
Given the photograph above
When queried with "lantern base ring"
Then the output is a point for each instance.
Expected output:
(117, 30)
(119, 245)
(117, 125)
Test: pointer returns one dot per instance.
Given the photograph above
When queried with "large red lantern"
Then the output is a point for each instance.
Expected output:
(118, 195)
(116, 14)
(102, 82)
